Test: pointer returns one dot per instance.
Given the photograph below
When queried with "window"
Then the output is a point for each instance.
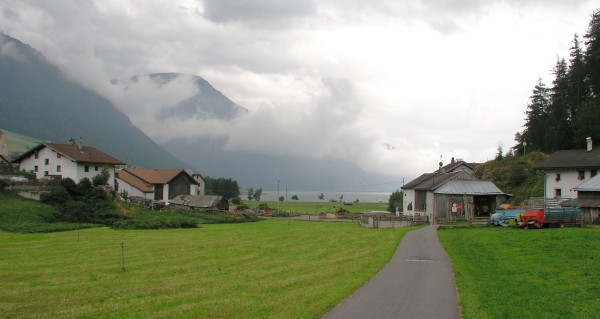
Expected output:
(86, 168)
(557, 177)
(47, 161)
(35, 168)
(593, 173)
(58, 155)
(46, 173)
(58, 168)
(37, 155)
(96, 168)
(581, 175)
(557, 192)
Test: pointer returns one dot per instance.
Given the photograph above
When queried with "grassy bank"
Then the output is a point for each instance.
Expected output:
(512, 273)
(270, 269)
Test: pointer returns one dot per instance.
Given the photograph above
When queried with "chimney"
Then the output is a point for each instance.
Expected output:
(80, 144)
(589, 144)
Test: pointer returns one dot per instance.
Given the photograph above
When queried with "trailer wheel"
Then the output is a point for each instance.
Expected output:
(537, 224)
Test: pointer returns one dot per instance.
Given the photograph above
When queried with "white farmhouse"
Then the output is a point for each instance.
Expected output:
(566, 169)
(73, 160)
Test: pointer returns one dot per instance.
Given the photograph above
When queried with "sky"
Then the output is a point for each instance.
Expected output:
(392, 86)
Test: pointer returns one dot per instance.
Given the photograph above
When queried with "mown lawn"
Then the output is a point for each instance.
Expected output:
(513, 273)
(269, 269)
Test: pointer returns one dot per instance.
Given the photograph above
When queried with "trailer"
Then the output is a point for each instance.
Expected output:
(547, 217)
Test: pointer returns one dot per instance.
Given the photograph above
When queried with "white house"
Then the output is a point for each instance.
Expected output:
(73, 160)
(156, 184)
(566, 169)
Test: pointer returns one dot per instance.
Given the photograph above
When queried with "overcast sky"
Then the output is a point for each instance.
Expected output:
(389, 85)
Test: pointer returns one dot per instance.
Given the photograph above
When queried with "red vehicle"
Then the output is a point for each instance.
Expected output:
(547, 217)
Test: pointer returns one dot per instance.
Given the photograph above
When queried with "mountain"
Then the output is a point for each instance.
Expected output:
(204, 103)
(36, 99)
(264, 170)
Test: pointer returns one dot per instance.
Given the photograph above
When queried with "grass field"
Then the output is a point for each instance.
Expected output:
(269, 269)
(18, 143)
(320, 206)
(513, 273)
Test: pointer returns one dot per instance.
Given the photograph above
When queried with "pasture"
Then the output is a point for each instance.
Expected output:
(513, 273)
(269, 269)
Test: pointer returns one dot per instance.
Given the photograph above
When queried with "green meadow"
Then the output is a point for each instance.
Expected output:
(268, 269)
(515, 273)
(315, 208)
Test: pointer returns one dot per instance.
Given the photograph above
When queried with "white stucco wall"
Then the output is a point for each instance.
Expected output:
(132, 191)
(409, 197)
(568, 180)
(68, 168)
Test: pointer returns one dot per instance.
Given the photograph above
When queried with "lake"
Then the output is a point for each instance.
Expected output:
(365, 197)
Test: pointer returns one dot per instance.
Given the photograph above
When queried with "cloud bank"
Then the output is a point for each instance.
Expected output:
(389, 85)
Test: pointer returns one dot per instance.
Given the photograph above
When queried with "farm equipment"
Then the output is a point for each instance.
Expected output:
(506, 217)
(547, 217)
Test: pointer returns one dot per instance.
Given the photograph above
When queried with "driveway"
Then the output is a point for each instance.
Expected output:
(417, 283)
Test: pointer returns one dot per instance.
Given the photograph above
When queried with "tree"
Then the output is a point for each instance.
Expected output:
(294, 197)
(560, 136)
(534, 133)
(592, 54)
(321, 196)
(396, 200)
(500, 153)
(257, 194)
(102, 178)
(250, 194)
(225, 187)
(341, 198)
(281, 198)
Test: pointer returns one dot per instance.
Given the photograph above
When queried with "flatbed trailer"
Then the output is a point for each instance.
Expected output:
(547, 217)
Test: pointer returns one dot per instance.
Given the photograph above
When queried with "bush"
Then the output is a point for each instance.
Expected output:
(57, 196)
(3, 184)
(156, 220)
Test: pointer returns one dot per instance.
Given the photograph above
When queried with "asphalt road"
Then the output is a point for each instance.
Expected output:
(417, 283)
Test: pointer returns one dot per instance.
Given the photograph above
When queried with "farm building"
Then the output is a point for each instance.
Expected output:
(72, 160)
(588, 199)
(200, 202)
(451, 191)
(156, 184)
(566, 169)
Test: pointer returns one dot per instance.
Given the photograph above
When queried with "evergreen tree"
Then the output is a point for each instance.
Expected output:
(592, 54)
(534, 133)
(577, 91)
(560, 136)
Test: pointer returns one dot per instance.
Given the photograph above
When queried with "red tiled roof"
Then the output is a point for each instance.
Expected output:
(156, 176)
(81, 154)
(134, 181)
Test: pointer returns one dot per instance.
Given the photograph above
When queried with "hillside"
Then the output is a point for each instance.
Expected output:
(515, 175)
(36, 99)
(18, 143)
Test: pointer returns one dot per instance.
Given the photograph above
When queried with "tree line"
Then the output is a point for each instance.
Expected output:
(561, 116)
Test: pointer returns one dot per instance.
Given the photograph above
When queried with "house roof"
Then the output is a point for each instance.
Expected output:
(431, 181)
(591, 185)
(6, 159)
(199, 201)
(571, 159)
(468, 188)
(80, 154)
(157, 176)
(134, 181)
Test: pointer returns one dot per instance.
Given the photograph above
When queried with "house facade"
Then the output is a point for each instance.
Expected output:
(451, 191)
(156, 184)
(566, 169)
(588, 199)
(72, 160)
